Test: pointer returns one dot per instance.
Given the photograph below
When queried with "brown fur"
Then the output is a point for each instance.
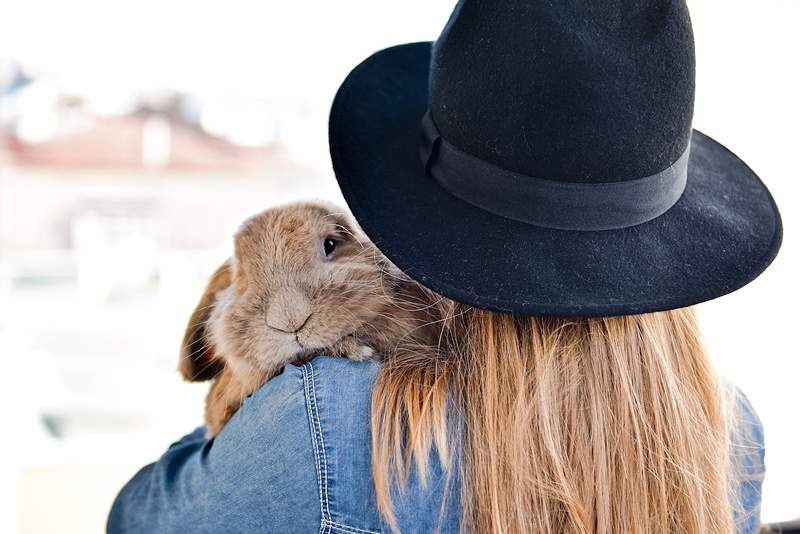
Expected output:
(198, 360)
(280, 299)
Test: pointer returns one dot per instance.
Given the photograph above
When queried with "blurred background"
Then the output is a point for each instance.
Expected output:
(135, 136)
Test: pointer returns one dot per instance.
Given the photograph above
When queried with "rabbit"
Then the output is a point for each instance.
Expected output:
(303, 281)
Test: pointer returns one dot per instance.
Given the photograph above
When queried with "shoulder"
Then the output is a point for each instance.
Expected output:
(323, 405)
(335, 395)
(338, 396)
(334, 389)
(313, 423)
(344, 384)
(747, 457)
(748, 436)
(320, 396)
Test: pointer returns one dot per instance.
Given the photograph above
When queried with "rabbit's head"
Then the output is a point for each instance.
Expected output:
(302, 277)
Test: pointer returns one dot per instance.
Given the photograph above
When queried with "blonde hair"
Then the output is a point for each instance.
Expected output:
(606, 425)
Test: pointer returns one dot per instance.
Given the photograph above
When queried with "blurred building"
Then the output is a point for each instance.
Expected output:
(114, 207)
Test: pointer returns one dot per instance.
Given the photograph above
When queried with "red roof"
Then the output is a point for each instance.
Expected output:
(119, 142)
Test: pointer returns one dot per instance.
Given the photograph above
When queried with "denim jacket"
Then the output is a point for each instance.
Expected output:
(296, 458)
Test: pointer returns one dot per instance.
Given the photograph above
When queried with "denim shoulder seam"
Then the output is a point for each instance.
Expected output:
(316, 437)
(327, 524)
(339, 528)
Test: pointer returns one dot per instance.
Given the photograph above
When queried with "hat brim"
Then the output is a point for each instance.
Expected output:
(722, 233)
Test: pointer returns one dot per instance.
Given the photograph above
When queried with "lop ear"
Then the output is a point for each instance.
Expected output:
(198, 360)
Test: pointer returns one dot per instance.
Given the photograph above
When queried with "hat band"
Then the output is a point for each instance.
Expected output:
(550, 203)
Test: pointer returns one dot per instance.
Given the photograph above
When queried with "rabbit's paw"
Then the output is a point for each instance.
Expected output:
(352, 349)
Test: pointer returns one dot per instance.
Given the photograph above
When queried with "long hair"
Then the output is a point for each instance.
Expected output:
(596, 425)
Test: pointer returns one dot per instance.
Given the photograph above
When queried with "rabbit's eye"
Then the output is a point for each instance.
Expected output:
(329, 245)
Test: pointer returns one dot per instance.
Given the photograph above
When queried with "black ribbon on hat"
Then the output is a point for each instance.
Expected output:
(550, 203)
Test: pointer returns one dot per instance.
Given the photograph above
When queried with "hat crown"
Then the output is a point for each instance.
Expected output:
(585, 91)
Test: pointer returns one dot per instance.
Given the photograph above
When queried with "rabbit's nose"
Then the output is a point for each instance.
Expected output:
(289, 311)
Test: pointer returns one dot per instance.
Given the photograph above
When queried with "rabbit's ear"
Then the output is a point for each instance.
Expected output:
(198, 361)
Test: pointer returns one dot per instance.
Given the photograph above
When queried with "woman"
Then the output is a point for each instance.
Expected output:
(551, 196)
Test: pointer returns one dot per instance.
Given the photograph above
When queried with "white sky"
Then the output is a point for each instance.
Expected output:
(254, 48)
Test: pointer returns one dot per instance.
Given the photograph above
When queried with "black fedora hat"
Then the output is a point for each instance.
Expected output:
(539, 158)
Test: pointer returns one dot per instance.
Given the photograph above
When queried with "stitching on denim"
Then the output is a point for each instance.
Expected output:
(348, 529)
(322, 444)
(327, 525)
(310, 394)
